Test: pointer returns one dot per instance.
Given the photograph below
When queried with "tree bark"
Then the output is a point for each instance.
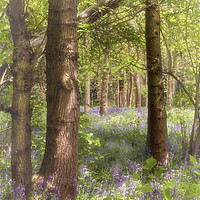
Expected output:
(157, 127)
(59, 166)
(104, 87)
(21, 112)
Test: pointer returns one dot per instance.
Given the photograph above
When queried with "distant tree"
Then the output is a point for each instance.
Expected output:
(104, 86)
(87, 95)
(60, 164)
(157, 126)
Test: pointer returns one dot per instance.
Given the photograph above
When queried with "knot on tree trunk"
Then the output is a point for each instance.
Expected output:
(66, 81)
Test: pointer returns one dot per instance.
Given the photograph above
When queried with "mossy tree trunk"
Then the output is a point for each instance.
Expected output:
(22, 83)
(60, 163)
(157, 127)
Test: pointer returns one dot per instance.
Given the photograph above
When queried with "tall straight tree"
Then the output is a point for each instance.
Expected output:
(157, 126)
(22, 84)
(104, 86)
(59, 166)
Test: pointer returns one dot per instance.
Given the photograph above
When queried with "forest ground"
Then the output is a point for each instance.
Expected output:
(113, 162)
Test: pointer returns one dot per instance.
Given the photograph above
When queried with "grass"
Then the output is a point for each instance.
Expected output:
(114, 164)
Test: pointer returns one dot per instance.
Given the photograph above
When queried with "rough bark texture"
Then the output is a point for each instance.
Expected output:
(87, 95)
(22, 83)
(59, 166)
(157, 128)
(104, 88)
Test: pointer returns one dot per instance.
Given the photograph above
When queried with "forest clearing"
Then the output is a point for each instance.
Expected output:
(99, 99)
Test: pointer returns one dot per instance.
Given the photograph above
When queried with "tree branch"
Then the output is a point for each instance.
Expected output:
(3, 70)
(94, 12)
(182, 85)
(8, 81)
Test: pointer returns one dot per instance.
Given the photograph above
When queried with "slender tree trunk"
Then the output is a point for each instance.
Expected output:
(124, 91)
(194, 148)
(22, 84)
(87, 95)
(138, 98)
(104, 88)
(130, 96)
(171, 82)
(157, 127)
(117, 93)
(59, 166)
(121, 87)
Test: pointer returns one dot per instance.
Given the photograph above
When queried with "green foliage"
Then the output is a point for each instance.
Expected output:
(36, 15)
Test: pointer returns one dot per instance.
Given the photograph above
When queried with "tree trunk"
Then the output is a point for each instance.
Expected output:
(130, 96)
(87, 95)
(138, 98)
(104, 88)
(124, 91)
(194, 148)
(117, 93)
(22, 84)
(59, 166)
(157, 127)
(171, 82)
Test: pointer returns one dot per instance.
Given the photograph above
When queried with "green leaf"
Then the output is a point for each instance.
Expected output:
(159, 170)
(151, 176)
(196, 172)
(193, 160)
(172, 183)
(147, 189)
(167, 194)
(136, 176)
(198, 166)
(151, 162)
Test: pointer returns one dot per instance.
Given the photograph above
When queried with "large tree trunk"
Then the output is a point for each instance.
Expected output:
(59, 166)
(22, 84)
(104, 87)
(87, 95)
(157, 127)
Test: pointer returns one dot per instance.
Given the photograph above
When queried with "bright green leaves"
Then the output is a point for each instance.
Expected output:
(151, 169)
(36, 15)
(193, 160)
(150, 162)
